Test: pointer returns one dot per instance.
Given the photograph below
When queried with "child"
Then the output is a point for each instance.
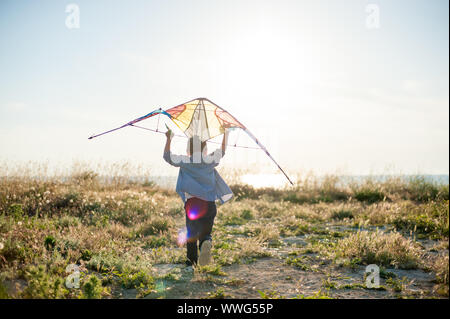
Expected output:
(199, 186)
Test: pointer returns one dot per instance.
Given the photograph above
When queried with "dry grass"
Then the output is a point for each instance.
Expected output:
(119, 228)
(390, 250)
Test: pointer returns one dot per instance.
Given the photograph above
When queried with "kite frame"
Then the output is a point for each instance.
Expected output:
(201, 99)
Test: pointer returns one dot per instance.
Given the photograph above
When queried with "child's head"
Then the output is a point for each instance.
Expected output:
(195, 145)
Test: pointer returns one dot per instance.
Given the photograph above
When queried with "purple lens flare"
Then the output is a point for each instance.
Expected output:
(196, 208)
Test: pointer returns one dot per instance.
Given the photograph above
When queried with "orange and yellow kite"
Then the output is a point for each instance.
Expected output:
(199, 117)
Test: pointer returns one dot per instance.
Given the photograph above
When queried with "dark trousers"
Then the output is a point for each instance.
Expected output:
(199, 230)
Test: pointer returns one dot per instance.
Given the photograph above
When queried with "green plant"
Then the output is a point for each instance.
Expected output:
(92, 288)
(42, 285)
(386, 274)
(155, 242)
(318, 295)
(398, 285)
(299, 263)
(380, 248)
(295, 199)
(329, 284)
(247, 214)
(212, 269)
(155, 226)
(342, 214)
(136, 280)
(49, 242)
(369, 195)
(420, 190)
(270, 294)
(86, 254)
(3, 292)
(218, 294)
(15, 211)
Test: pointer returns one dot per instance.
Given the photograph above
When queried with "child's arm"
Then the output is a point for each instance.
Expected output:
(224, 142)
(167, 155)
(216, 156)
(174, 160)
(168, 141)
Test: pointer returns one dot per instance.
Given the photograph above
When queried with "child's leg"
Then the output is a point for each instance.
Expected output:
(191, 240)
(199, 229)
(205, 235)
(192, 254)
(207, 222)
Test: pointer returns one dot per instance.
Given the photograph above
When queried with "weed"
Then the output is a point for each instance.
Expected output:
(92, 288)
(380, 248)
(318, 295)
(329, 284)
(270, 294)
(42, 285)
(212, 269)
(136, 280)
(49, 242)
(218, 294)
(299, 263)
(369, 195)
(342, 214)
(398, 285)
(154, 227)
(247, 214)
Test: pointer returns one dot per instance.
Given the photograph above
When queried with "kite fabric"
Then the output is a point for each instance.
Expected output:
(199, 117)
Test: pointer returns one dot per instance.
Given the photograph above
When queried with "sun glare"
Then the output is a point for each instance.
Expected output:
(265, 180)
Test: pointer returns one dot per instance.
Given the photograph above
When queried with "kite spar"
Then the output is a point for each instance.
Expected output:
(199, 117)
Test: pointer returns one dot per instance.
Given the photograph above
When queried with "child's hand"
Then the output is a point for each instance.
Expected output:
(169, 132)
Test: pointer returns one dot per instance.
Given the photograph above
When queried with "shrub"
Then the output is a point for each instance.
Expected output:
(342, 214)
(244, 191)
(429, 220)
(369, 195)
(233, 220)
(86, 254)
(3, 291)
(42, 285)
(67, 221)
(15, 211)
(67, 200)
(87, 176)
(13, 250)
(293, 198)
(136, 280)
(155, 226)
(49, 242)
(420, 190)
(384, 249)
(440, 266)
(155, 242)
(92, 288)
(247, 214)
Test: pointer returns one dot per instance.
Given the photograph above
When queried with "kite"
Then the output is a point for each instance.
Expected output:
(199, 117)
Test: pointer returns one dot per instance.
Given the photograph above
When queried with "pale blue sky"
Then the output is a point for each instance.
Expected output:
(319, 88)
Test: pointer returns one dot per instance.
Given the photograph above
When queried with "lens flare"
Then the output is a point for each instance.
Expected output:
(160, 287)
(182, 237)
(196, 208)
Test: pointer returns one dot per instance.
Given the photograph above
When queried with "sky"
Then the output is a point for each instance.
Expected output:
(325, 85)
